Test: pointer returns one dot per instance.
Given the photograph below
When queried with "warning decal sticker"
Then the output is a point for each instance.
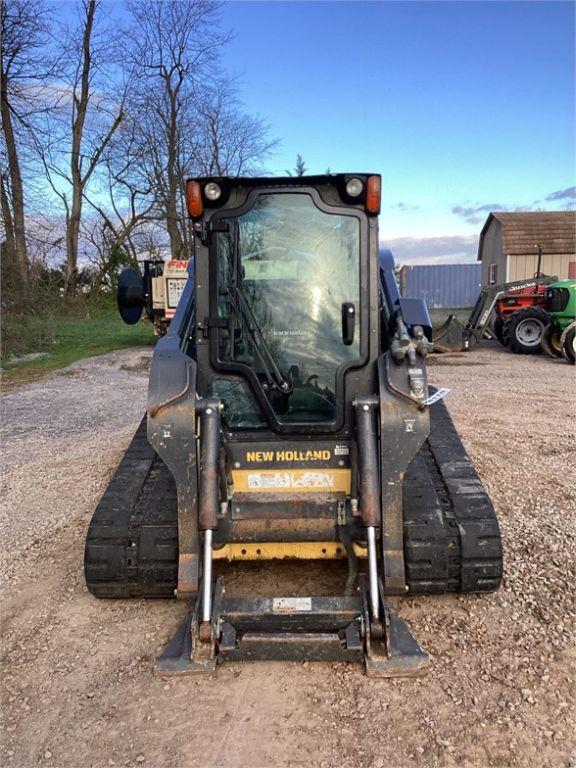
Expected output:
(297, 481)
(320, 480)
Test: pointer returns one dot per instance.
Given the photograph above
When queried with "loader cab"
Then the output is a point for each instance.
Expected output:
(287, 321)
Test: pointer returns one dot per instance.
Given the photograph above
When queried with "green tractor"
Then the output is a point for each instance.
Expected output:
(558, 338)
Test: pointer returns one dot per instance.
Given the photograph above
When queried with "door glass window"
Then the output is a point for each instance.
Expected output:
(292, 267)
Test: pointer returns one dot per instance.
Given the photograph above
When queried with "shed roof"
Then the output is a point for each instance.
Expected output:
(555, 231)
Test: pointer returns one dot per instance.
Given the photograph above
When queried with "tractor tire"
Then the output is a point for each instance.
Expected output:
(551, 341)
(499, 330)
(568, 343)
(523, 330)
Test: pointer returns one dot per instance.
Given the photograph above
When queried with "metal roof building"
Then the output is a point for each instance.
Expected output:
(442, 285)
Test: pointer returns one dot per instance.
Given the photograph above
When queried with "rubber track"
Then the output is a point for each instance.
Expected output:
(132, 542)
(451, 534)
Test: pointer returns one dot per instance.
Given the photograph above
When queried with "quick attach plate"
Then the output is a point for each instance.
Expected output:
(293, 629)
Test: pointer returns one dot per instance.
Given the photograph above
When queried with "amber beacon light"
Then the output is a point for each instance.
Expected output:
(194, 199)
(373, 186)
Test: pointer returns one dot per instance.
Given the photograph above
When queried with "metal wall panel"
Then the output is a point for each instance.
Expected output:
(558, 264)
(442, 285)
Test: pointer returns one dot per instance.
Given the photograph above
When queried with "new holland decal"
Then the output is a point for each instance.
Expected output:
(263, 456)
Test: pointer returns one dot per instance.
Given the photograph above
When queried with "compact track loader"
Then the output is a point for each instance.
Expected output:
(289, 416)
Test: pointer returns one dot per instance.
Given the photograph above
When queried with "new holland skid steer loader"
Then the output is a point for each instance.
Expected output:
(289, 416)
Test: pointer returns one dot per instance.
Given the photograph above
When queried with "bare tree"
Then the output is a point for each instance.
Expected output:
(123, 202)
(9, 235)
(174, 46)
(89, 110)
(81, 99)
(25, 68)
(228, 141)
(117, 126)
(189, 116)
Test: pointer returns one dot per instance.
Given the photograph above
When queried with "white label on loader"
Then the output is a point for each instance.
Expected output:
(291, 604)
(323, 481)
(258, 480)
(439, 395)
(175, 287)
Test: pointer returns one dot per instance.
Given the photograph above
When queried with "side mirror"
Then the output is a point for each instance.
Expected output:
(130, 295)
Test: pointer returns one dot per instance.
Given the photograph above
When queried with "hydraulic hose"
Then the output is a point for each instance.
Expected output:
(344, 537)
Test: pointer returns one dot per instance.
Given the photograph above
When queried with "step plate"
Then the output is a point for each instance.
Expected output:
(345, 645)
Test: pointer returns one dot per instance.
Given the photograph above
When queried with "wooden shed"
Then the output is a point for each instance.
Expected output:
(508, 245)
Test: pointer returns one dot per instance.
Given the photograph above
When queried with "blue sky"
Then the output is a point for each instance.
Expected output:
(460, 105)
(463, 107)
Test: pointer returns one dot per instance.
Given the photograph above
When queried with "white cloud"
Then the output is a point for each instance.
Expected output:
(563, 194)
(446, 249)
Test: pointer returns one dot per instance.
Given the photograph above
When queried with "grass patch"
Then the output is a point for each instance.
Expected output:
(439, 315)
(67, 339)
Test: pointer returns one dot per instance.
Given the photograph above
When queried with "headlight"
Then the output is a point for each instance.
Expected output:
(354, 187)
(212, 191)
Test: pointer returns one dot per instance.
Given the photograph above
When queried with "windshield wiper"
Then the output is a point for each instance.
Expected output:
(245, 313)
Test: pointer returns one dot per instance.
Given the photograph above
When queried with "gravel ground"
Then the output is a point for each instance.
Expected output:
(77, 686)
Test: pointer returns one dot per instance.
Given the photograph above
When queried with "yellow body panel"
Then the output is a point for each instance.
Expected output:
(285, 550)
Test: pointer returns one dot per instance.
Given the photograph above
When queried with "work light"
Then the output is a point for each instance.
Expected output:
(354, 187)
(212, 191)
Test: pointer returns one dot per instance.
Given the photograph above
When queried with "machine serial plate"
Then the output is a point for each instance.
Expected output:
(291, 604)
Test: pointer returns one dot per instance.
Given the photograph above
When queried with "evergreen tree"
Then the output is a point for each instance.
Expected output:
(300, 167)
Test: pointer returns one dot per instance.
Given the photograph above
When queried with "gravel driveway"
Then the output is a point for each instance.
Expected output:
(77, 686)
